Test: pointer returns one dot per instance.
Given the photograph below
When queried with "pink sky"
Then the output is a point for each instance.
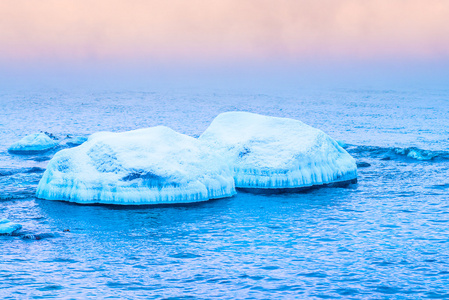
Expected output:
(206, 31)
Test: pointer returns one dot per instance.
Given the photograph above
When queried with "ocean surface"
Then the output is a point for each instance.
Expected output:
(386, 237)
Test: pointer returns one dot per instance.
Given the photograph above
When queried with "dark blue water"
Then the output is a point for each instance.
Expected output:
(386, 237)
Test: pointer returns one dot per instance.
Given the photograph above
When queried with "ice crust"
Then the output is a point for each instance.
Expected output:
(36, 142)
(7, 227)
(277, 153)
(147, 166)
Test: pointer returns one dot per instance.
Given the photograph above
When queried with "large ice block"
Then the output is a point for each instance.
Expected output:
(278, 153)
(146, 166)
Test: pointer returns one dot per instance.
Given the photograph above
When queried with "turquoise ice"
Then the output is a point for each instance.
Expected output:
(7, 227)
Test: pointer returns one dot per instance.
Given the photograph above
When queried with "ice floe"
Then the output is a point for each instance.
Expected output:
(7, 227)
(146, 166)
(33, 143)
(73, 141)
(277, 153)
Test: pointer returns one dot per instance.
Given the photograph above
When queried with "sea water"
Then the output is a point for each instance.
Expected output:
(386, 237)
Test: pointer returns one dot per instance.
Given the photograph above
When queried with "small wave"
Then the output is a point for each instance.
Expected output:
(313, 274)
(52, 287)
(442, 186)
(17, 196)
(6, 172)
(363, 164)
(10, 172)
(391, 153)
(347, 291)
(37, 237)
(184, 255)
(270, 268)
(35, 170)
(40, 158)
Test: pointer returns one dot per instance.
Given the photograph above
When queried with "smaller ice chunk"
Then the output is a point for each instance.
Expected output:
(147, 166)
(342, 144)
(33, 143)
(7, 227)
(278, 153)
(75, 141)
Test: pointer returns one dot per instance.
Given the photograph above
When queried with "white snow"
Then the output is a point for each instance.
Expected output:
(146, 166)
(272, 153)
(8, 227)
(36, 142)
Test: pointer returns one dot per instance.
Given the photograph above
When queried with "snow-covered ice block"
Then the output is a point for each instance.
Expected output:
(7, 227)
(146, 166)
(36, 142)
(278, 153)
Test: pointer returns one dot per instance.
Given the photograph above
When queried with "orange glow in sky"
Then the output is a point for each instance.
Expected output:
(222, 30)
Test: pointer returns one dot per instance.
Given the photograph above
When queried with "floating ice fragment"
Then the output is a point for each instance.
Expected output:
(75, 140)
(342, 144)
(146, 166)
(8, 228)
(33, 143)
(278, 153)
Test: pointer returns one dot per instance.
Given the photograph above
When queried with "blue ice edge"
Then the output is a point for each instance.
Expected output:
(302, 189)
(160, 166)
